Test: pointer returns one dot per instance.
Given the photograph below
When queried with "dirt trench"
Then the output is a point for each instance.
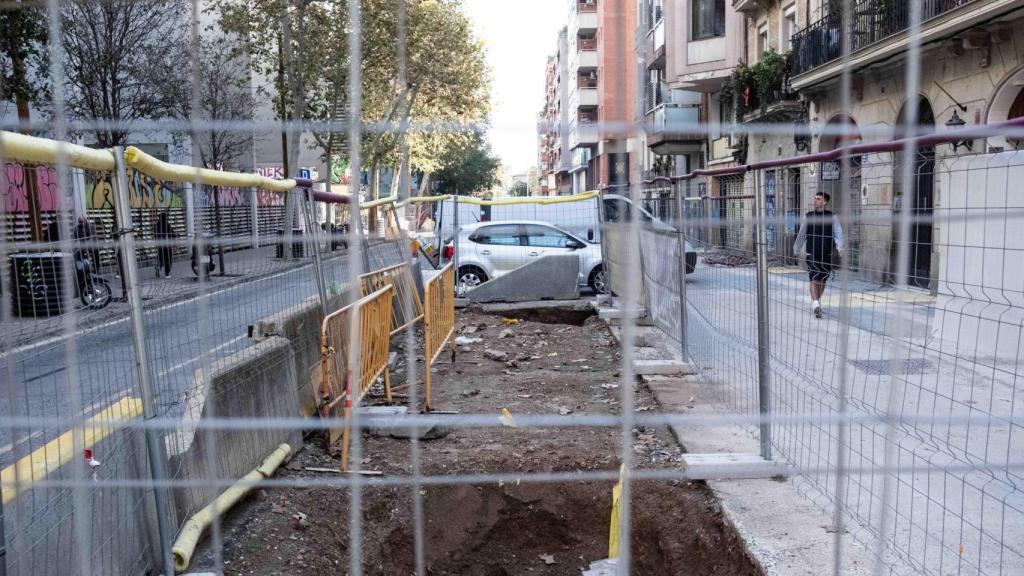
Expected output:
(496, 529)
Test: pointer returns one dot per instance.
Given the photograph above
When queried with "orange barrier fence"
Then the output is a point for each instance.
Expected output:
(438, 320)
(340, 390)
(407, 308)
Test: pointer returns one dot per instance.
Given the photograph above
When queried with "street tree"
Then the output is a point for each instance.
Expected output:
(23, 57)
(468, 167)
(22, 80)
(125, 61)
(519, 188)
(445, 79)
(225, 103)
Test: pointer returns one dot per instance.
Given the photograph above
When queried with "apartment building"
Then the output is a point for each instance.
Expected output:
(690, 49)
(554, 157)
(601, 93)
(971, 73)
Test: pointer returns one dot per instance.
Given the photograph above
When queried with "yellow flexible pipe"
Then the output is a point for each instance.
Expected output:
(161, 170)
(185, 545)
(35, 150)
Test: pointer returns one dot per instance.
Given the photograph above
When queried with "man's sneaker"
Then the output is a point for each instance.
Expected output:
(817, 312)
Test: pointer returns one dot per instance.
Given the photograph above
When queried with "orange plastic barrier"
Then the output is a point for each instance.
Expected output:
(341, 390)
(438, 321)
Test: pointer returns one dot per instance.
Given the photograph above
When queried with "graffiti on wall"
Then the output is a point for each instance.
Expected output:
(143, 192)
(265, 197)
(229, 196)
(14, 186)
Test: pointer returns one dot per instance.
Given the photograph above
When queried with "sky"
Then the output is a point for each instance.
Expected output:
(520, 35)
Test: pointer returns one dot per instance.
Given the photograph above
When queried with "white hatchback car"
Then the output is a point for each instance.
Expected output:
(489, 250)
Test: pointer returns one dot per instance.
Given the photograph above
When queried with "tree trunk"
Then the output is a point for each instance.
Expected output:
(371, 214)
(35, 217)
(220, 231)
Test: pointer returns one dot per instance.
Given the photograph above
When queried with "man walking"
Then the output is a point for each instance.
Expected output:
(823, 236)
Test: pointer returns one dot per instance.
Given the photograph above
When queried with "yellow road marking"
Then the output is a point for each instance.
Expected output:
(60, 450)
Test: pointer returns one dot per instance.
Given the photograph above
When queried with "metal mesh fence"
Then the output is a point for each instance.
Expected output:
(857, 311)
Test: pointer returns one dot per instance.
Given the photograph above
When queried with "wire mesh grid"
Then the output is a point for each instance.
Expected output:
(897, 408)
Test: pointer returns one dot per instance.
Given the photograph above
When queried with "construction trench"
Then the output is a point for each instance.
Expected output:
(541, 361)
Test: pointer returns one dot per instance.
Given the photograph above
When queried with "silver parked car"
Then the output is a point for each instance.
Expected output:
(489, 250)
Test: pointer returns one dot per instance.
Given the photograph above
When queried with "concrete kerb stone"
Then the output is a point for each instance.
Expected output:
(552, 277)
(782, 530)
(663, 368)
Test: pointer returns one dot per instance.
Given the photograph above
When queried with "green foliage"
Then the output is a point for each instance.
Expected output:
(448, 81)
(768, 73)
(755, 86)
(468, 167)
(22, 49)
(519, 189)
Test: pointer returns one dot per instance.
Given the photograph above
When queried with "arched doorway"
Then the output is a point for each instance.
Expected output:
(842, 130)
(920, 200)
(1007, 103)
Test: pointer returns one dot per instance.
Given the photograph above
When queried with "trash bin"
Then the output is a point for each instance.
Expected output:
(297, 246)
(37, 283)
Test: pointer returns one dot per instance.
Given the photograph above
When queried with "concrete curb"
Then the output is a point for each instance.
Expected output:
(783, 531)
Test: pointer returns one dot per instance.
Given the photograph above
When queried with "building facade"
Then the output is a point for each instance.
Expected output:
(601, 94)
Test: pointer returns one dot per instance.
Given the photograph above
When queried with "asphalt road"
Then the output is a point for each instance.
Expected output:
(82, 377)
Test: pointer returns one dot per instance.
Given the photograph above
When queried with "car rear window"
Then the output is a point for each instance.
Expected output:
(507, 235)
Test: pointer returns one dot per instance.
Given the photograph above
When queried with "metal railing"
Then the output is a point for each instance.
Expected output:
(873, 21)
(438, 322)
(355, 343)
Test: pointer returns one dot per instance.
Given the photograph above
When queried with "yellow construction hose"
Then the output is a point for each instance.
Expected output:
(185, 545)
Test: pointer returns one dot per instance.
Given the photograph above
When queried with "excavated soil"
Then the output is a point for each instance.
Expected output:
(494, 529)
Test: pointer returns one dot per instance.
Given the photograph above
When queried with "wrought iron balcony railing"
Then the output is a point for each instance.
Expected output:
(873, 21)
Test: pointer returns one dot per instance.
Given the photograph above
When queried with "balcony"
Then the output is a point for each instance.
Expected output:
(781, 104)
(587, 43)
(654, 47)
(877, 32)
(655, 94)
(749, 5)
(584, 131)
(586, 16)
(587, 59)
(673, 129)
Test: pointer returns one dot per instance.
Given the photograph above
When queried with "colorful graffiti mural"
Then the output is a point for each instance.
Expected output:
(14, 186)
(143, 192)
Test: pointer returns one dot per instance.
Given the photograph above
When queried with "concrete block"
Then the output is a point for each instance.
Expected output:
(732, 466)
(619, 313)
(554, 277)
(663, 368)
(256, 382)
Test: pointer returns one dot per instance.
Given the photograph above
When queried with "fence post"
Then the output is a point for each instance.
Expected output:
(254, 216)
(763, 369)
(318, 271)
(682, 271)
(3, 539)
(190, 210)
(154, 439)
(455, 241)
(602, 239)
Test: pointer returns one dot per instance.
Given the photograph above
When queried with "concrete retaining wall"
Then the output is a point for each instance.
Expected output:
(257, 382)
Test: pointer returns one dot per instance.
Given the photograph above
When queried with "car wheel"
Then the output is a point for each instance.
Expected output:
(599, 280)
(471, 276)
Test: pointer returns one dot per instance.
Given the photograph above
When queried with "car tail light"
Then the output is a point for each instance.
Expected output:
(449, 252)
